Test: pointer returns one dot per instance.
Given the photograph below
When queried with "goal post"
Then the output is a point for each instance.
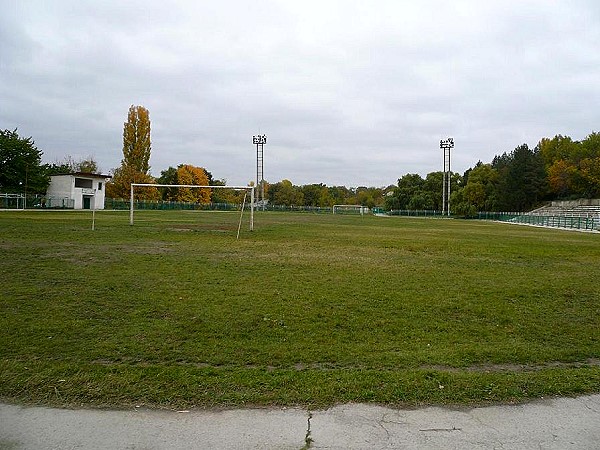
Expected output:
(237, 188)
(362, 210)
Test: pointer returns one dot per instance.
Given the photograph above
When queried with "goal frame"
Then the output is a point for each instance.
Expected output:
(362, 209)
(237, 188)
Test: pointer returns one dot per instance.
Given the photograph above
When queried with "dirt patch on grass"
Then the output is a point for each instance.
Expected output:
(324, 367)
(510, 367)
(201, 228)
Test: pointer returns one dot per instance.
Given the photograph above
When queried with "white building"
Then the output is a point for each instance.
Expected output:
(77, 190)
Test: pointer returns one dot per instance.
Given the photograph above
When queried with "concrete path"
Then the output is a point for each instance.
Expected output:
(546, 424)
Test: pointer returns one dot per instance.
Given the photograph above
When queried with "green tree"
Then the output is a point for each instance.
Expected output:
(590, 177)
(20, 164)
(589, 166)
(369, 196)
(87, 165)
(286, 194)
(522, 181)
(480, 190)
(230, 196)
(433, 188)
(68, 165)
(409, 185)
(339, 195)
(316, 195)
(168, 176)
(555, 149)
(591, 146)
(416, 193)
(58, 168)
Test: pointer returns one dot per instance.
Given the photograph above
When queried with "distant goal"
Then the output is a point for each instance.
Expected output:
(350, 209)
(193, 186)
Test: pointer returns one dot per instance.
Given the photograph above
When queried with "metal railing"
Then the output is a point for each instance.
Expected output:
(34, 201)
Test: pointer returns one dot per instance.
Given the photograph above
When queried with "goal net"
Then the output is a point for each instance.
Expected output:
(236, 188)
(350, 209)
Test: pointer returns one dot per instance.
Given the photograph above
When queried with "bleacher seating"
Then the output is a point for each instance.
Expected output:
(579, 214)
(587, 211)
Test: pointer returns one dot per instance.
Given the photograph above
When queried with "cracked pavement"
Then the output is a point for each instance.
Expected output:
(556, 423)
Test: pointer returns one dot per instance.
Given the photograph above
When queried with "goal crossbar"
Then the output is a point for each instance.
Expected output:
(251, 188)
(362, 209)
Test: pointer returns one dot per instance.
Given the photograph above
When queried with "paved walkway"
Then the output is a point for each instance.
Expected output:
(564, 423)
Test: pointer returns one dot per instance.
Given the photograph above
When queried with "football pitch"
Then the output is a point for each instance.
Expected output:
(309, 309)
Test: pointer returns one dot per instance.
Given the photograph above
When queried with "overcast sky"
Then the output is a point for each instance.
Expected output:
(354, 93)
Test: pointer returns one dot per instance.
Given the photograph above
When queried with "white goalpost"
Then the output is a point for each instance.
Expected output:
(359, 208)
(237, 188)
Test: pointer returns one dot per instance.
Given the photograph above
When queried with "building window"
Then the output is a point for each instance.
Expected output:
(100, 185)
(83, 183)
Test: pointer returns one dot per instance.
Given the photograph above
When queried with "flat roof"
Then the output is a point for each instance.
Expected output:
(83, 174)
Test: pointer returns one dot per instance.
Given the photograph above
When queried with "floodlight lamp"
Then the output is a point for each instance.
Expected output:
(260, 139)
(448, 143)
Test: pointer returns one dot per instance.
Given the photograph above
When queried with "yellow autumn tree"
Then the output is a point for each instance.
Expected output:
(135, 167)
(561, 176)
(590, 176)
(196, 176)
(120, 185)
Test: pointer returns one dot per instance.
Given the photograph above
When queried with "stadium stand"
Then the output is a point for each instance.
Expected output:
(579, 214)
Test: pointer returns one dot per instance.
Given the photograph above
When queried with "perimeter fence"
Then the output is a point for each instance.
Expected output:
(119, 204)
(415, 213)
(34, 201)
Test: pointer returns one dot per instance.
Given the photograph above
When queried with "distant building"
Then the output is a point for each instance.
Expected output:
(77, 190)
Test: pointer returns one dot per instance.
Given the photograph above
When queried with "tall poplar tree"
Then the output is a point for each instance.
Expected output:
(135, 165)
(136, 140)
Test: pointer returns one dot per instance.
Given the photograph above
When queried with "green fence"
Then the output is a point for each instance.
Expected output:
(33, 201)
(119, 203)
(308, 209)
(112, 203)
(415, 213)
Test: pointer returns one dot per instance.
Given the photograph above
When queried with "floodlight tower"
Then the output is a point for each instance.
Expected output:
(260, 141)
(446, 146)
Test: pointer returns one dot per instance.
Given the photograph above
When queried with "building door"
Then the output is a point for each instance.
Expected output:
(86, 202)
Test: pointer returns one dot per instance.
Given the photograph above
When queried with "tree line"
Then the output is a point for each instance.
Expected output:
(556, 169)
(519, 180)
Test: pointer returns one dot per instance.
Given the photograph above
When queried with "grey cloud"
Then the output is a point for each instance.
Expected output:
(347, 92)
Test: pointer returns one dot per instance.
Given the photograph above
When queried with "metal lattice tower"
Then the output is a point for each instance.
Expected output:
(446, 146)
(260, 141)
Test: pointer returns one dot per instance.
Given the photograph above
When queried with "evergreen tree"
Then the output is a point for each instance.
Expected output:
(522, 180)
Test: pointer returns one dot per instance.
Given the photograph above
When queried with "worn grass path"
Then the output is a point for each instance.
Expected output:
(307, 310)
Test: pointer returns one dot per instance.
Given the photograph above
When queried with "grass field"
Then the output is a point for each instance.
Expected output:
(306, 310)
